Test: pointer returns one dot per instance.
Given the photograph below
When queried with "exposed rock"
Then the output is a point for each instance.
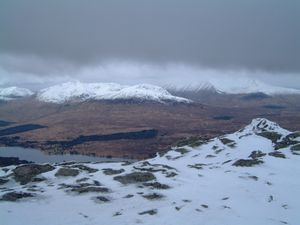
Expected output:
(25, 173)
(67, 172)
(153, 196)
(247, 162)
(256, 154)
(14, 196)
(135, 177)
(156, 185)
(149, 212)
(109, 171)
(277, 154)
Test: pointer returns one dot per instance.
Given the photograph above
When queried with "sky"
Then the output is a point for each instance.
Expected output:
(176, 42)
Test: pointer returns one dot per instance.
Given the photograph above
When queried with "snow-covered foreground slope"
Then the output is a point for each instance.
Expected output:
(106, 91)
(248, 177)
(11, 93)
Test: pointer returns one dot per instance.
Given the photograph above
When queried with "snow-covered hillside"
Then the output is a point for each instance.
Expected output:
(11, 93)
(248, 177)
(78, 91)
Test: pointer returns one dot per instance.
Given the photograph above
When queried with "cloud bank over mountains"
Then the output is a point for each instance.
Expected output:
(160, 42)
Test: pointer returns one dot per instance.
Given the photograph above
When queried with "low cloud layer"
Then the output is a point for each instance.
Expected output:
(161, 42)
(17, 71)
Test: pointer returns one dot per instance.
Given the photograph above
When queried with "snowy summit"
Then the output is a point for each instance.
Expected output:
(77, 91)
(11, 93)
(247, 177)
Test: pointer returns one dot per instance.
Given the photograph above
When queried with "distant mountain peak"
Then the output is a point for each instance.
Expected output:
(77, 91)
(11, 93)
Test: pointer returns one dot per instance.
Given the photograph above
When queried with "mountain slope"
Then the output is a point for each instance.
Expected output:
(76, 91)
(238, 178)
(11, 93)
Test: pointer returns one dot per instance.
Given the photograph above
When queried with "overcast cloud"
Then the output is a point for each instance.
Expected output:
(161, 42)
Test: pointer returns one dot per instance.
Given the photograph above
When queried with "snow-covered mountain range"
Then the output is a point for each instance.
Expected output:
(11, 93)
(247, 177)
(240, 86)
(78, 91)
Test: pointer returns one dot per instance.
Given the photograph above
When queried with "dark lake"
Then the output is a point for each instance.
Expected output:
(38, 156)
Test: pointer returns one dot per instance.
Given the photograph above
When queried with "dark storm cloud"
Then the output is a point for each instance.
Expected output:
(250, 34)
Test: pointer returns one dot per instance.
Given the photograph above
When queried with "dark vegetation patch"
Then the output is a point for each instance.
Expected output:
(81, 188)
(255, 96)
(247, 162)
(101, 199)
(20, 129)
(274, 107)
(66, 172)
(3, 181)
(277, 154)
(287, 141)
(25, 173)
(152, 168)
(153, 196)
(295, 147)
(8, 161)
(273, 136)
(223, 117)
(197, 166)
(4, 123)
(171, 174)
(129, 196)
(253, 177)
(85, 168)
(210, 156)
(135, 177)
(87, 189)
(117, 214)
(256, 154)
(109, 171)
(228, 142)
(156, 185)
(135, 135)
(149, 212)
(15, 196)
(227, 161)
(191, 141)
(181, 150)
(38, 179)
